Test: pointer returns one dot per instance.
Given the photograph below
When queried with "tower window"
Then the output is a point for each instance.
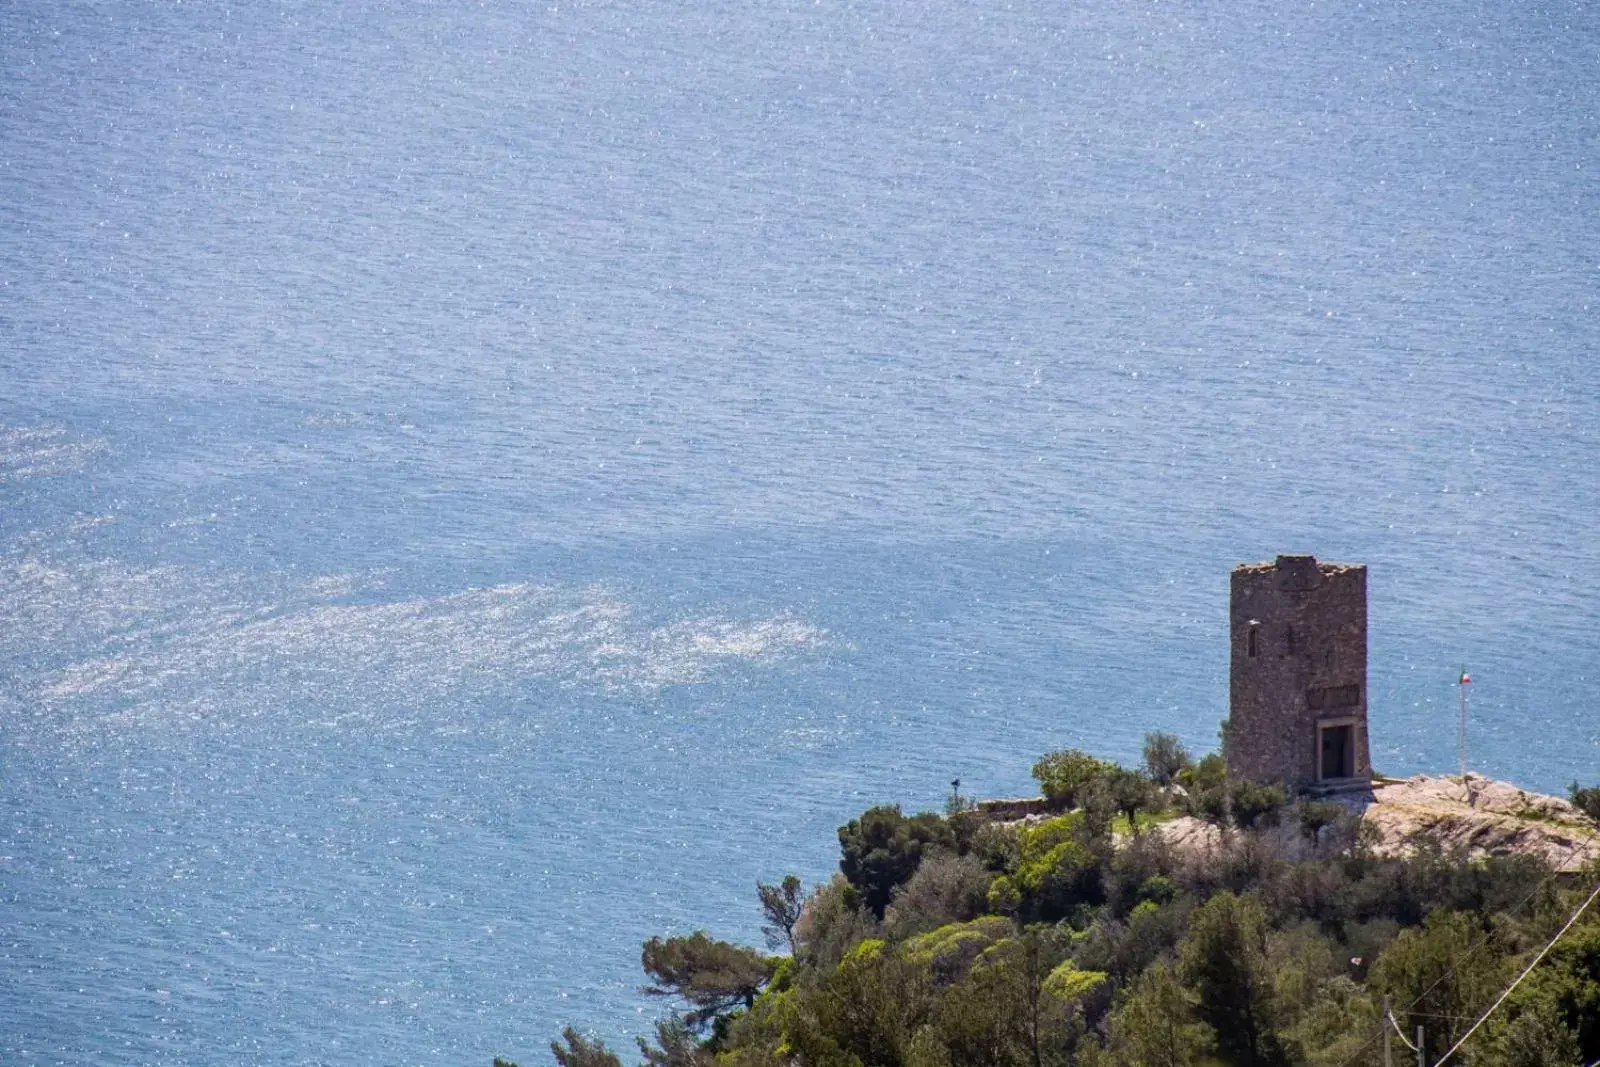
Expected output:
(1253, 642)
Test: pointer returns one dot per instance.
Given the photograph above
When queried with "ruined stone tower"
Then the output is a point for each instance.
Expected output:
(1298, 683)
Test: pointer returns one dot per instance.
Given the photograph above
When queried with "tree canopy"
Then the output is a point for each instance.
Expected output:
(883, 847)
(1063, 941)
(711, 976)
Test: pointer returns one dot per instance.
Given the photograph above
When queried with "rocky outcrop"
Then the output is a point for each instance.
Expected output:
(1190, 836)
(1481, 816)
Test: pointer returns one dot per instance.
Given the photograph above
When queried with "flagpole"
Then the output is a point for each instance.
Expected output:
(1461, 736)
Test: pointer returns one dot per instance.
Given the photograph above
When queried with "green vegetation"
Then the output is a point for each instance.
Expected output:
(1587, 800)
(712, 977)
(1086, 938)
(1144, 821)
(1164, 758)
(883, 848)
(1065, 774)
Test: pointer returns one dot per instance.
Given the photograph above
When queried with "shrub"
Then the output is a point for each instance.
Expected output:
(883, 848)
(1124, 949)
(946, 888)
(831, 923)
(995, 846)
(1140, 861)
(1066, 983)
(1157, 889)
(1313, 815)
(1209, 804)
(1207, 786)
(1164, 757)
(1063, 775)
(1004, 897)
(1130, 793)
(1057, 871)
(1253, 804)
(950, 950)
(867, 1010)
(1586, 800)
(1212, 770)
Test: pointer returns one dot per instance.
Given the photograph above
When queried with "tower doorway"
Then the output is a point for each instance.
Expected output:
(1338, 752)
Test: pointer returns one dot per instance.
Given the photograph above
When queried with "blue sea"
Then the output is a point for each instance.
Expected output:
(482, 484)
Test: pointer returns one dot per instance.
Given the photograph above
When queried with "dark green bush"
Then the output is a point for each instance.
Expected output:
(1586, 800)
(883, 848)
(1252, 804)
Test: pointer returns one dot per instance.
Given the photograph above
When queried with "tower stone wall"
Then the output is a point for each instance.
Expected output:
(1298, 677)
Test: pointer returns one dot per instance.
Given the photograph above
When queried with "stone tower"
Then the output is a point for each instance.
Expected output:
(1298, 682)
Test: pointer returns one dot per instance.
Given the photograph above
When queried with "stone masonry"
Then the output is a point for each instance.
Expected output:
(1298, 680)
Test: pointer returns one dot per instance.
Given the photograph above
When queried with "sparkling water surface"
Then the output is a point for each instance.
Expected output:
(482, 484)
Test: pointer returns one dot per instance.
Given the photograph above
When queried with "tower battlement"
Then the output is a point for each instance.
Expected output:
(1298, 675)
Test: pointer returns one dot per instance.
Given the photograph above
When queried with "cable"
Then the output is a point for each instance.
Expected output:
(1485, 937)
(1482, 940)
(1529, 970)
(1399, 1033)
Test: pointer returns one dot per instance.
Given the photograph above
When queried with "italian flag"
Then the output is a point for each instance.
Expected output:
(1466, 679)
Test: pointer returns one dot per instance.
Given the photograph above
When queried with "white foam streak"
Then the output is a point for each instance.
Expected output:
(162, 639)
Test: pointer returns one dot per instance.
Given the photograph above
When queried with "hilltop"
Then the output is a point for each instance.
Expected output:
(1170, 914)
(1480, 819)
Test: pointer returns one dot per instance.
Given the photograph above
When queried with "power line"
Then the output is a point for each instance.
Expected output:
(1529, 970)
(1482, 940)
(1401, 1033)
